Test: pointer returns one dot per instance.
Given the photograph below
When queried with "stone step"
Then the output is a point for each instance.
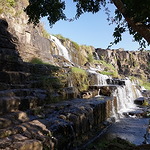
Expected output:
(13, 77)
(21, 99)
(22, 92)
(31, 135)
(12, 104)
(13, 118)
(41, 69)
(9, 104)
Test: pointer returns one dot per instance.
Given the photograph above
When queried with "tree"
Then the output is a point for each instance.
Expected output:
(130, 15)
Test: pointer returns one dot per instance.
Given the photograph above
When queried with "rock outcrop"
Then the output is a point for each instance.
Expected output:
(128, 63)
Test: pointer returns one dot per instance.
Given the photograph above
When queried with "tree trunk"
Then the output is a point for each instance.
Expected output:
(142, 29)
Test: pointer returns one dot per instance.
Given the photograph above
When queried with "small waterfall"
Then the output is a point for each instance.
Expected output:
(100, 78)
(126, 94)
(62, 50)
(96, 56)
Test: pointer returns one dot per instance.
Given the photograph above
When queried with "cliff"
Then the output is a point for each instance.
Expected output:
(128, 63)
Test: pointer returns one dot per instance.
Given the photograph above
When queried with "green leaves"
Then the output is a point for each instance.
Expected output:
(135, 11)
(41, 8)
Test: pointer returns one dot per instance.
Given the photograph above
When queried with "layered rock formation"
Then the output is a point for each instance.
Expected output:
(128, 63)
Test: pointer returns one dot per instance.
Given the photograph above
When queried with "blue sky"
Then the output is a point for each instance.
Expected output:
(90, 29)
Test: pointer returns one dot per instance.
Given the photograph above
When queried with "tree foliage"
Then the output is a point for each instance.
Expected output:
(130, 15)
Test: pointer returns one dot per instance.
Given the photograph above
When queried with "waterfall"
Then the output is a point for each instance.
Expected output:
(126, 94)
(100, 78)
(62, 50)
(96, 56)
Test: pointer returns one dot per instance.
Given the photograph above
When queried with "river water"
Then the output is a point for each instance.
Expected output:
(131, 129)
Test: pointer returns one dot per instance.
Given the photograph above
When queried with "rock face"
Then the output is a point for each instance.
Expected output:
(61, 126)
(34, 42)
(128, 63)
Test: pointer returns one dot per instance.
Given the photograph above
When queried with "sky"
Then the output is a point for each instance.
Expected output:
(90, 29)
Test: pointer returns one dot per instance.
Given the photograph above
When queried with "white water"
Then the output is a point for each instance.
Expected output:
(96, 56)
(126, 95)
(62, 50)
(101, 79)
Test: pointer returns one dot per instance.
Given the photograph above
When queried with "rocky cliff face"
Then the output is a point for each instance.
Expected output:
(34, 42)
(128, 63)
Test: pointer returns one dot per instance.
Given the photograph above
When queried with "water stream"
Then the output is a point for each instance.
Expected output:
(131, 128)
(62, 49)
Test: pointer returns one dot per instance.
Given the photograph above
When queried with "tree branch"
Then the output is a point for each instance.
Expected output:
(142, 29)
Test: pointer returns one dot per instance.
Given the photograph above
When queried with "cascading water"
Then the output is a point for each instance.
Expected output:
(96, 56)
(100, 78)
(126, 94)
(62, 50)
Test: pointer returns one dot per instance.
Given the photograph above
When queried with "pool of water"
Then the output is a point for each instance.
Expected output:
(129, 128)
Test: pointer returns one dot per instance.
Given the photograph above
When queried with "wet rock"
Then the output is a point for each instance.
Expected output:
(139, 100)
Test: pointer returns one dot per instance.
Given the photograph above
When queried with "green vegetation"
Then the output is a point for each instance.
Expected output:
(11, 2)
(79, 78)
(145, 103)
(146, 85)
(113, 73)
(75, 45)
(131, 16)
(142, 82)
(108, 66)
(90, 58)
(37, 61)
(109, 69)
(6, 6)
(59, 36)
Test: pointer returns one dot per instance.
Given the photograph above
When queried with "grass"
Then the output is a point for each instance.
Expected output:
(11, 2)
(79, 78)
(75, 45)
(78, 70)
(113, 73)
(108, 66)
(90, 58)
(59, 36)
(142, 82)
(146, 85)
(38, 61)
